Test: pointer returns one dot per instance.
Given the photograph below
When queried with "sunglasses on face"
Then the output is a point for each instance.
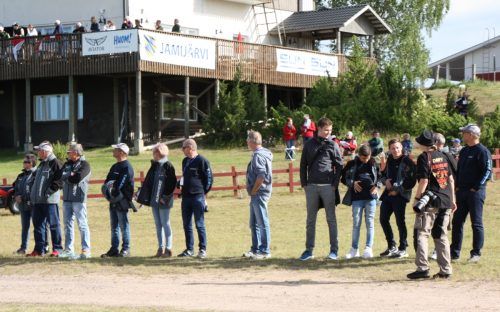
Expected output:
(26, 162)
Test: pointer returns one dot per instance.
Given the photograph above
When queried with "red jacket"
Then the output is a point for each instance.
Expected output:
(289, 132)
(308, 132)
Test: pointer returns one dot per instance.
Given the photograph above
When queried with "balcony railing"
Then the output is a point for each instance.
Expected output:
(61, 55)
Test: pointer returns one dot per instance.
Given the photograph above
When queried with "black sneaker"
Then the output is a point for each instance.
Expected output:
(124, 253)
(111, 253)
(389, 252)
(186, 253)
(399, 254)
(441, 275)
(419, 274)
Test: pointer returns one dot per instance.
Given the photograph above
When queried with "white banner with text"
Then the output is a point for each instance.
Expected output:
(300, 62)
(109, 42)
(177, 50)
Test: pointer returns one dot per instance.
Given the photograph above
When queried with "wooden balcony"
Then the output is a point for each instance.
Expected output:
(56, 56)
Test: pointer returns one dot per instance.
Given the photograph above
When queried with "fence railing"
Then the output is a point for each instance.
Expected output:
(235, 186)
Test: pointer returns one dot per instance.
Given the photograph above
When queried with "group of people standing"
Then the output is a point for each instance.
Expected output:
(443, 188)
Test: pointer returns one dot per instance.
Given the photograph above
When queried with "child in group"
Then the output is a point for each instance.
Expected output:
(407, 144)
(456, 148)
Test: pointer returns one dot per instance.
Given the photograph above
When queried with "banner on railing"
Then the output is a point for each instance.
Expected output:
(109, 42)
(177, 50)
(300, 62)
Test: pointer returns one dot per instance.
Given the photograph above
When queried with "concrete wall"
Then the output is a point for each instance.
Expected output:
(480, 58)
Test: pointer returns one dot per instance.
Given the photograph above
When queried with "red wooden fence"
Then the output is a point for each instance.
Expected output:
(496, 163)
(236, 187)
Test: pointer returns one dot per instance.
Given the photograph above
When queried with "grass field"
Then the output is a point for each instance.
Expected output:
(229, 235)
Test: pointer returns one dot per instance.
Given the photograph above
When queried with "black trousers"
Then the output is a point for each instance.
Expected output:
(397, 205)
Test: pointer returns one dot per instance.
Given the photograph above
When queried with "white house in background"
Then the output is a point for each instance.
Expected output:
(224, 19)
(480, 60)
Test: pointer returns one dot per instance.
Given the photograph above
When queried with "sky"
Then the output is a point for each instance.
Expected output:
(464, 26)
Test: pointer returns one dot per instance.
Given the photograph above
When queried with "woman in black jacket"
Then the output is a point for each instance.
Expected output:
(157, 192)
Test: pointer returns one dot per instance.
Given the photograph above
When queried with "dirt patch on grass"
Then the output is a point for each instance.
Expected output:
(248, 291)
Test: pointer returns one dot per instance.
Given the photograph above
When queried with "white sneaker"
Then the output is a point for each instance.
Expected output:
(67, 254)
(261, 256)
(353, 253)
(474, 259)
(434, 255)
(368, 253)
(248, 254)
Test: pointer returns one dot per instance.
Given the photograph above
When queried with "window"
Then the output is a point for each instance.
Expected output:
(174, 107)
(54, 107)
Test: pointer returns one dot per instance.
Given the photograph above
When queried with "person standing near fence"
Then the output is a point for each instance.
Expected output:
(118, 188)
(308, 129)
(75, 177)
(474, 170)
(157, 191)
(195, 183)
(289, 136)
(320, 170)
(44, 197)
(259, 188)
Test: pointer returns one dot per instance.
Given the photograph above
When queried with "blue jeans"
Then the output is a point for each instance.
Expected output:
(41, 214)
(369, 205)
(76, 210)
(194, 205)
(259, 223)
(289, 152)
(119, 223)
(468, 202)
(161, 216)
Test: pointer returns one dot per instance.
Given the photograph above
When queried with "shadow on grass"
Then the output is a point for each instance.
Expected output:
(216, 263)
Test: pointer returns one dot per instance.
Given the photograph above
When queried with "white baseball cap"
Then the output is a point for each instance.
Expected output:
(471, 128)
(121, 146)
(44, 146)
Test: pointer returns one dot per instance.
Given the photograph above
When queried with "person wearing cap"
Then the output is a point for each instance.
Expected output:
(308, 129)
(456, 148)
(398, 176)
(75, 177)
(22, 186)
(435, 194)
(119, 190)
(195, 183)
(44, 197)
(17, 31)
(79, 28)
(57, 28)
(157, 191)
(474, 170)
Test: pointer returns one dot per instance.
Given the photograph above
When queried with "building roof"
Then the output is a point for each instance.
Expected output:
(328, 19)
(466, 51)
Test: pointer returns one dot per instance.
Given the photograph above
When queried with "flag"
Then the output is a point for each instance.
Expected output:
(17, 44)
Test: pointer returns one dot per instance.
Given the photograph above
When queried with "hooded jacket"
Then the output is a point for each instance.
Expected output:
(320, 163)
(260, 166)
(75, 177)
(159, 184)
(22, 187)
(47, 182)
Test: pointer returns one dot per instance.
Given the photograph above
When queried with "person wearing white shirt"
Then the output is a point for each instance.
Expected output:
(31, 31)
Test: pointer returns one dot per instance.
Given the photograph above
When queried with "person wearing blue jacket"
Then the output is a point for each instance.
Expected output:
(195, 183)
(473, 172)
(259, 188)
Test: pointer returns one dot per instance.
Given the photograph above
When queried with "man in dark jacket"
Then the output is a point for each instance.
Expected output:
(118, 189)
(76, 177)
(195, 183)
(320, 170)
(474, 170)
(22, 187)
(399, 179)
(44, 197)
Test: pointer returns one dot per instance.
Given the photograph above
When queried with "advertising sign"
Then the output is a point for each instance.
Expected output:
(109, 42)
(300, 62)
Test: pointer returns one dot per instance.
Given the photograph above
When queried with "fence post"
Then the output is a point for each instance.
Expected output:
(234, 175)
(290, 176)
(474, 72)
(497, 163)
(4, 181)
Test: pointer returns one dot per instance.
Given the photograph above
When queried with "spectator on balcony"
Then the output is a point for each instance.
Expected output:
(17, 31)
(176, 28)
(138, 24)
(31, 31)
(158, 25)
(79, 28)
(94, 25)
(3, 33)
(127, 24)
(57, 28)
(308, 129)
(109, 26)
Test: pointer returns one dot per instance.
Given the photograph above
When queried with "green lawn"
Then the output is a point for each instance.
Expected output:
(229, 235)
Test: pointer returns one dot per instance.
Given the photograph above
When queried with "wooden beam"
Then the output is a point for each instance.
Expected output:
(28, 144)
(186, 107)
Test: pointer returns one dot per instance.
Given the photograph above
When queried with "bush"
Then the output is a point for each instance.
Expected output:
(60, 150)
(490, 130)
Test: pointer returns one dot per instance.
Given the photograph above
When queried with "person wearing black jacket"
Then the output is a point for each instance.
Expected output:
(157, 191)
(44, 198)
(76, 178)
(195, 183)
(320, 170)
(474, 171)
(399, 179)
(22, 197)
(118, 189)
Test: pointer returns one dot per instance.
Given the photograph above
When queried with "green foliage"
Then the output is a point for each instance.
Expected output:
(442, 84)
(254, 106)
(59, 150)
(490, 130)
